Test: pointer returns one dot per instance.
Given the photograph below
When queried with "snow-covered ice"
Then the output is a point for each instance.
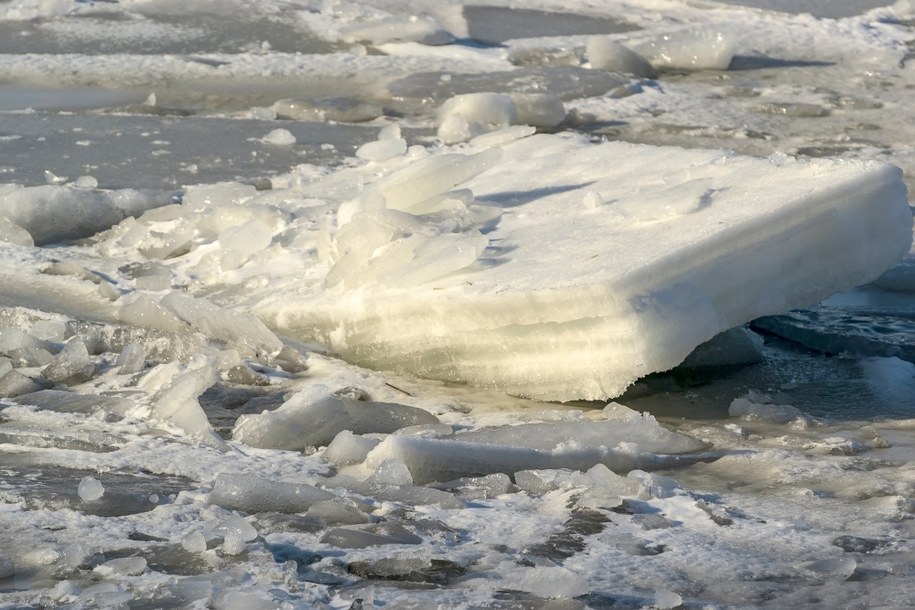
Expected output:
(699, 246)
(276, 279)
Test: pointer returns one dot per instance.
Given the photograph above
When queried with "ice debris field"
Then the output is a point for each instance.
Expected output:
(385, 304)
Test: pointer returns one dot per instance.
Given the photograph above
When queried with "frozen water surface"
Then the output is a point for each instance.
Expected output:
(152, 152)
(236, 206)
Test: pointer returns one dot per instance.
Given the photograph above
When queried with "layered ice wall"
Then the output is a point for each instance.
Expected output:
(609, 261)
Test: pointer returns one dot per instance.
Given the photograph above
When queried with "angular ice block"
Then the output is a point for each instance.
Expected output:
(610, 261)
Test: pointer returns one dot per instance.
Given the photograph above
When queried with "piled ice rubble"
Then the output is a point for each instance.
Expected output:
(397, 460)
(58, 364)
(201, 540)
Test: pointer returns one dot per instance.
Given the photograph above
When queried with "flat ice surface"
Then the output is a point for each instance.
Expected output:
(818, 8)
(612, 261)
(145, 151)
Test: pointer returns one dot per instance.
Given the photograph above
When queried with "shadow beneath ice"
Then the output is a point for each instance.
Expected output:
(755, 62)
(511, 199)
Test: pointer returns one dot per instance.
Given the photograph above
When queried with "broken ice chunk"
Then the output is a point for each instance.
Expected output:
(235, 532)
(14, 341)
(120, 567)
(254, 494)
(132, 359)
(90, 489)
(368, 230)
(194, 542)
(71, 364)
(468, 115)
(313, 417)
(14, 383)
(444, 459)
(382, 150)
(433, 176)
(502, 136)
(151, 276)
(279, 137)
(242, 241)
(51, 213)
(398, 28)
(654, 485)
(569, 82)
(641, 429)
(603, 488)
(12, 233)
(538, 481)
(756, 411)
(732, 348)
(664, 599)
(391, 472)
(175, 390)
(203, 196)
(371, 535)
(49, 330)
(146, 312)
(71, 402)
(536, 53)
(340, 109)
(619, 444)
(238, 328)
(336, 512)
(409, 569)
(604, 53)
(689, 49)
(477, 488)
(349, 448)
(436, 258)
(414, 495)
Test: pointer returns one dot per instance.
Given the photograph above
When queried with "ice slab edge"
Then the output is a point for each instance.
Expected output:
(613, 261)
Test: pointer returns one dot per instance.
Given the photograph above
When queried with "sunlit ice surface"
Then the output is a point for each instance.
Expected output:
(274, 282)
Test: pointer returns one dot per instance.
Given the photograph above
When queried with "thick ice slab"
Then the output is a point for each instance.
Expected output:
(609, 262)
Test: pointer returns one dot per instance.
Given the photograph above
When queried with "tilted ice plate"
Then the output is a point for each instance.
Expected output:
(612, 261)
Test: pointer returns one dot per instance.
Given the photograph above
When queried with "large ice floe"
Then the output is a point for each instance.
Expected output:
(609, 261)
(543, 265)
